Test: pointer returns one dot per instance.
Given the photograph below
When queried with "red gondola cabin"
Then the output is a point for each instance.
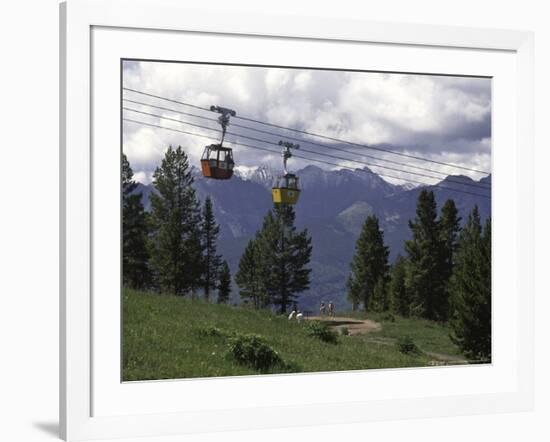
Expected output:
(217, 162)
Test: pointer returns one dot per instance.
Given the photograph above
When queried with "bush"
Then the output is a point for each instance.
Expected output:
(291, 367)
(321, 331)
(389, 317)
(406, 345)
(344, 331)
(210, 331)
(252, 351)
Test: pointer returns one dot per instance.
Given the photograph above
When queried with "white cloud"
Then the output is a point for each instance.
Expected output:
(437, 117)
(143, 177)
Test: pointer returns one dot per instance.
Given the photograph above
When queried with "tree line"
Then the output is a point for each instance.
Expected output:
(445, 275)
(171, 249)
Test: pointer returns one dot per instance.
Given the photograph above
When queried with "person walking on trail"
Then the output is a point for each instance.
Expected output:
(322, 309)
(331, 310)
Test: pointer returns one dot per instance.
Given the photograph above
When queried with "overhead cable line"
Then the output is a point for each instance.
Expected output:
(302, 140)
(238, 143)
(303, 132)
(336, 157)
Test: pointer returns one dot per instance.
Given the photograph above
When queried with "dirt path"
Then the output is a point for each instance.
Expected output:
(437, 358)
(354, 326)
(364, 326)
(443, 359)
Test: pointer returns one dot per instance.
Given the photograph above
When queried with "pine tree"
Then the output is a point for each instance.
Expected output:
(273, 268)
(380, 301)
(399, 295)
(284, 256)
(176, 241)
(250, 276)
(128, 183)
(449, 227)
(135, 268)
(224, 286)
(369, 266)
(471, 290)
(424, 279)
(209, 236)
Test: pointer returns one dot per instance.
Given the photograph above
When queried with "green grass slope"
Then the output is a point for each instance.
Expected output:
(430, 336)
(164, 338)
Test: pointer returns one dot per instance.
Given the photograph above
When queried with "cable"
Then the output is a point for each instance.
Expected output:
(172, 110)
(406, 180)
(236, 143)
(475, 185)
(301, 140)
(305, 150)
(365, 146)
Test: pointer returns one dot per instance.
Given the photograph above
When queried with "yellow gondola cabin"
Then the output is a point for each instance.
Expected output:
(286, 190)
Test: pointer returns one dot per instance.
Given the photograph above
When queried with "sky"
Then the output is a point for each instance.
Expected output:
(446, 119)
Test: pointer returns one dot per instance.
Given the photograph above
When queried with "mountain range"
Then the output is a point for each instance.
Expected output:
(333, 206)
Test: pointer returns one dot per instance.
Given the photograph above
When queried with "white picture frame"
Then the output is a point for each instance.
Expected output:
(82, 379)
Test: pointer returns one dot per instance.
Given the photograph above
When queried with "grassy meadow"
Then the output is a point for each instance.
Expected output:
(169, 337)
(431, 337)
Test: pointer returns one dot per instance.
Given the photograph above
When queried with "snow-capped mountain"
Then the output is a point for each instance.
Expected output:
(262, 175)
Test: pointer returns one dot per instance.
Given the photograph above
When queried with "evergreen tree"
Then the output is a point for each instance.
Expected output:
(128, 183)
(211, 261)
(369, 266)
(224, 286)
(354, 293)
(250, 276)
(135, 268)
(273, 268)
(380, 301)
(176, 241)
(449, 227)
(284, 256)
(471, 290)
(398, 293)
(423, 278)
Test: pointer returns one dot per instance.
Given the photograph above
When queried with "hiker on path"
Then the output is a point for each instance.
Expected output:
(331, 310)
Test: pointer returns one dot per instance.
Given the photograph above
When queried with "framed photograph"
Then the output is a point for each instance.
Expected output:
(321, 220)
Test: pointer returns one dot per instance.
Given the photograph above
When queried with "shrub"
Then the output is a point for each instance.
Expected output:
(344, 331)
(406, 345)
(389, 317)
(252, 351)
(210, 331)
(291, 367)
(321, 331)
